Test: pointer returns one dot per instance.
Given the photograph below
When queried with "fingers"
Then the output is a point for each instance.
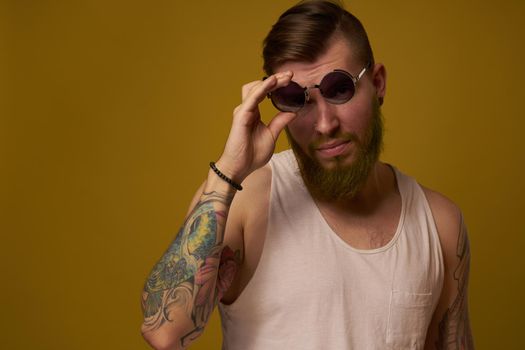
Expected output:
(254, 93)
(249, 87)
(278, 123)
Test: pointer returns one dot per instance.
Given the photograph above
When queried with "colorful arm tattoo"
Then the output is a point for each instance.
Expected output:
(454, 328)
(186, 276)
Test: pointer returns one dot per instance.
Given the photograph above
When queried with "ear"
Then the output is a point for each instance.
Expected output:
(379, 81)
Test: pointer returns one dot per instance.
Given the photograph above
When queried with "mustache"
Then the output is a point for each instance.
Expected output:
(345, 137)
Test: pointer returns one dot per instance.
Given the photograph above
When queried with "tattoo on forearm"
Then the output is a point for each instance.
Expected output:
(186, 276)
(454, 328)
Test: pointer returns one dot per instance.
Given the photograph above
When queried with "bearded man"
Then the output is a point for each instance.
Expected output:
(326, 247)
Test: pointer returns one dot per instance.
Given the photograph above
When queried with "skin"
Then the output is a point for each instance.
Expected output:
(366, 221)
(320, 122)
(187, 281)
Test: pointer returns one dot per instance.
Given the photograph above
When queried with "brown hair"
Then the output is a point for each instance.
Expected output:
(303, 32)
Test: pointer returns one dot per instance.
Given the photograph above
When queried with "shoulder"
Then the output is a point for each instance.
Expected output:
(256, 187)
(446, 213)
(253, 200)
(255, 195)
(449, 223)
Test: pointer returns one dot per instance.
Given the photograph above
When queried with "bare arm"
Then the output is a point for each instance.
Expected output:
(450, 326)
(182, 290)
(186, 284)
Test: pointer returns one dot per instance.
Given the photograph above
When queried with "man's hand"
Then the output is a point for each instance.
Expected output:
(251, 143)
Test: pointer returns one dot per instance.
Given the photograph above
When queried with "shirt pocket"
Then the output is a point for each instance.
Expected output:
(408, 319)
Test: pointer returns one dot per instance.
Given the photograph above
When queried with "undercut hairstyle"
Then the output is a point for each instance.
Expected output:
(303, 32)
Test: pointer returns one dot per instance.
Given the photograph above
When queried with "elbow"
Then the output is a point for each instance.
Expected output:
(161, 340)
(168, 332)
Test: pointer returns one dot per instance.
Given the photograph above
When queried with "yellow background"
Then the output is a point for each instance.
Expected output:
(111, 111)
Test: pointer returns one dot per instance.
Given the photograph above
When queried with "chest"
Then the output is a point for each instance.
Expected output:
(314, 278)
(366, 230)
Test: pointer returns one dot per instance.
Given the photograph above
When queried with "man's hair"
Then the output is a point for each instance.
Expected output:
(302, 34)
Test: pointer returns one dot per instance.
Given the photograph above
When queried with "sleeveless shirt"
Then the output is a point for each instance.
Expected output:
(312, 290)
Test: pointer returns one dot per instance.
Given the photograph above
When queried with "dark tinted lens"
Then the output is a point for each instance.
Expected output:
(289, 98)
(337, 87)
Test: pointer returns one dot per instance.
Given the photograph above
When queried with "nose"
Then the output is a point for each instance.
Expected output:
(326, 120)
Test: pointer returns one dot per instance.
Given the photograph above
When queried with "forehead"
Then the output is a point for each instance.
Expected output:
(338, 55)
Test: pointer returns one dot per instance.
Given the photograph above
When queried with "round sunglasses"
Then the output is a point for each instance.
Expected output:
(336, 87)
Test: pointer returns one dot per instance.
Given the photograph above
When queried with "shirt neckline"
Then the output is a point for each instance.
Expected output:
(402, 192)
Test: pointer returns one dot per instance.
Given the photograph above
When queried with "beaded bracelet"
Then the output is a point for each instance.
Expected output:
(224, 177)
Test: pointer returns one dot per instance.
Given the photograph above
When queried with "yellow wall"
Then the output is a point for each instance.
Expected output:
(115, 109)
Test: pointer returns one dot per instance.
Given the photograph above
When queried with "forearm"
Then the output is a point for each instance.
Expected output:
(180, 293)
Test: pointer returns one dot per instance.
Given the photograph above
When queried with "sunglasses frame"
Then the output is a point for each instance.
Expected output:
(318, 86)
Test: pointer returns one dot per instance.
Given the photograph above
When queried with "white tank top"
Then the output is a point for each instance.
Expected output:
(311, 290)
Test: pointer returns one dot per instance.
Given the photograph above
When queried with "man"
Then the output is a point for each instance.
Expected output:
(326, 247)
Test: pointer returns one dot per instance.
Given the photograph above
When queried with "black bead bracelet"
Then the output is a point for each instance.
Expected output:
(224, 177)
